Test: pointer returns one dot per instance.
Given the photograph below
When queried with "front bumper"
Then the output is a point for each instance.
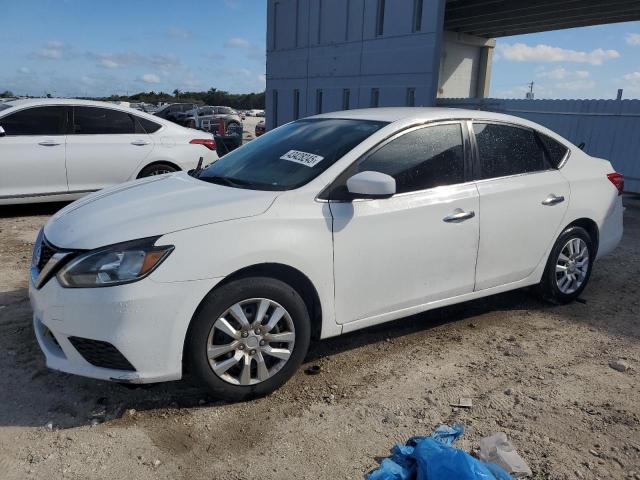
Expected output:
(146, 322)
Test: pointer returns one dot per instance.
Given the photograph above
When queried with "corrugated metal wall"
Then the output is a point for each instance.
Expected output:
(609, 128)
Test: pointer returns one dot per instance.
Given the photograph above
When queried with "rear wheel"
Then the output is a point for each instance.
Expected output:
(231, 126)
(248, 338)
(157, 169)
(569, 266)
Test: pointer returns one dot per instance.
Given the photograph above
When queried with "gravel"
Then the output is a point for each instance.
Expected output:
(538, 372)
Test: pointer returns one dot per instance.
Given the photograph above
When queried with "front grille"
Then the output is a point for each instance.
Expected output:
(101, 354)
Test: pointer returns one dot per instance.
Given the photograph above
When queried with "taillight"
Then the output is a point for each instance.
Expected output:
(209, 143)
(618, 181)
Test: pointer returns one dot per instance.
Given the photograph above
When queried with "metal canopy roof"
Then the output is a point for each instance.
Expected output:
(500, 18)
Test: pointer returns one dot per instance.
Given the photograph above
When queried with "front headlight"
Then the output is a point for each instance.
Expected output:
(114, 265)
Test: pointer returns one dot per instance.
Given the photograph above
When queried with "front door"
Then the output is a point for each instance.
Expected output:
(106, 147)
(523, 200)
(416, 247)
(32, 153)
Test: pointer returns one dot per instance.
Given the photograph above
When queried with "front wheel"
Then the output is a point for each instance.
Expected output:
(569, 266)
(248, 338)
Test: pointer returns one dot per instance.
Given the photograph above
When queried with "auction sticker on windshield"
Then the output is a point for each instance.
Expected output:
(308, 159)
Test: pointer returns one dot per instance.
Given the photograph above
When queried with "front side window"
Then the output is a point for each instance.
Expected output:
(420, 159)
(36, 121)
(290, 156)
(105, 121)
(508, 150)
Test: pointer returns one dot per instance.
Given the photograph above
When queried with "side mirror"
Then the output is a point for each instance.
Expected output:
(371, 185)
(2, 132)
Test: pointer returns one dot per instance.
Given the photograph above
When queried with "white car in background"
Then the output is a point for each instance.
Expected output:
(62, 149)
(320, 227)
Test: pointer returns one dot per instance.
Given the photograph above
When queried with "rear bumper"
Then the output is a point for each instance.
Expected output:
(611, 230)
(145, 322)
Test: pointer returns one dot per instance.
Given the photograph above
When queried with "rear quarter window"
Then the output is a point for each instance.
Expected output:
(554, 150)
(147, 125)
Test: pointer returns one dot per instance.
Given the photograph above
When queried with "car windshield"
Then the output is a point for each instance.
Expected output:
(5, 106)
(290, 156)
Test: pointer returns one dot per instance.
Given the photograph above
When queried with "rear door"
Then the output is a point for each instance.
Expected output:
(523, 200)
(32, 153)
(106, 147)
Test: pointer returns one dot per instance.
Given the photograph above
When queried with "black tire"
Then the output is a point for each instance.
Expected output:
(215, 305)
(549, 288)
(157, 169)
(231, 123)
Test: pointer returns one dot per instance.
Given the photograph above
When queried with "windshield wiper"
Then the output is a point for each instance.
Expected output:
(229, 182)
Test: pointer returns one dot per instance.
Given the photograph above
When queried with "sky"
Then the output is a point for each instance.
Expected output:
(99, 48)
(588, 62)
(104, 47)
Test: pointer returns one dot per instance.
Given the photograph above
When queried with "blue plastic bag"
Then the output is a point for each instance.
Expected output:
(434, 458)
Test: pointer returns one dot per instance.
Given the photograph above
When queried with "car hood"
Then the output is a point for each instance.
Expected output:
(148, 207)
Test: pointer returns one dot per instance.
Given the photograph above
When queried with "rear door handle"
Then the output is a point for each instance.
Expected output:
(140, 143)
(459, 216)
(48, 143)
(553, 200)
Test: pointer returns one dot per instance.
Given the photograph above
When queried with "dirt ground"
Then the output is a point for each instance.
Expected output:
(538, 372)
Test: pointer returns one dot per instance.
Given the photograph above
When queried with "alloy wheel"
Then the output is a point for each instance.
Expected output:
(572, 266)
(251, 341)
(160, 171)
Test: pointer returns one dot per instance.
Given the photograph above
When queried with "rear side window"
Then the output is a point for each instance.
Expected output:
(147, 125)
(505, 150)
(425, 158)
(36, 121)
(555, 150)
(95, 121)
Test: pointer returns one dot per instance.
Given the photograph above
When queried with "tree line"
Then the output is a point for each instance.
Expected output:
(213, 96)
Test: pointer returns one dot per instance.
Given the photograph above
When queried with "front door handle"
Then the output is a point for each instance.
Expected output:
(553, 200)
(48, 143)
(140, 143)
(459, 215)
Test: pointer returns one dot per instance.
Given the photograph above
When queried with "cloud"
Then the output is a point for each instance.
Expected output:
(53, 50)
(164, 62)
(237, 42)
(88, 81)
(521, 52)
(563, 74)
(179, 33)
(127, 59)
(576, 85)
(233, 4)
(632, 81)
(568, 80)
(24, 70)
(633, 38)
(150, 78)
(107, 63)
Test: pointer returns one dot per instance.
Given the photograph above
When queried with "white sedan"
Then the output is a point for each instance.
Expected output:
(320, 227)
(59, 149)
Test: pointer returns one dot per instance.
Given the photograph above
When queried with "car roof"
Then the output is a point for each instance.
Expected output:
(416, 115)
(41, 102)
(423, 114)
